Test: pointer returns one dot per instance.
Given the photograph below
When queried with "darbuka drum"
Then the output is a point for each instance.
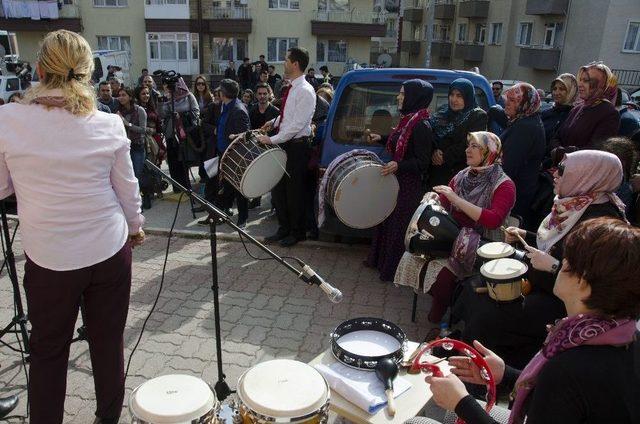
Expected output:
(495, 250)
(251, 167)
(359, 195)
(285, 391)
(173, 399)
(362, 342)
(431, 231)
(504, 278)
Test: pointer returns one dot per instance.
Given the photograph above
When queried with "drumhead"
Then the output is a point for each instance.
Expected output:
(369, 343)
(503, 269)
(364, 198)
(283, 388)
(171, 399)
(263, 173)
(495, 250)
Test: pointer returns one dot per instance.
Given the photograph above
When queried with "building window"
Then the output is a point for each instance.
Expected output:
(165, 2)
(110, 3)
(552, 33)
(391, 27)
(496, 33)
(525, 29)
(462, 32)
(195, 47)
(228, 4)
(481, 30)
(331, 51)
(114, 42)
(277, 48)
(173, 46)
(333, 5)
(284, 4)
(632, 39)
(441, 32)
(226, 49)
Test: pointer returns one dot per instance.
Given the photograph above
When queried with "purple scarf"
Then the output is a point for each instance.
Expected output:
(568, 333)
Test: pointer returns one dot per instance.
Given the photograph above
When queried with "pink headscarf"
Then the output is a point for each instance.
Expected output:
(590, 177)
(526, 97)
(603, 83)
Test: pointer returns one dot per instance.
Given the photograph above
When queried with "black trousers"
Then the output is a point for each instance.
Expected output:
(289, 194)
(229, 193)
(177, 169)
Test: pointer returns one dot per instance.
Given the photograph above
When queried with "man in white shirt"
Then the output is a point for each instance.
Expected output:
(293, 134)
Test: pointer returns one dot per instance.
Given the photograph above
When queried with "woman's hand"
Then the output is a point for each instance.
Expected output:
(510, 234)
(463, 366)
(447, 192)
(374, 138)
(390, 168)
(447, 391)
(437, 158)
(542, 261)
(137, 239)
(431, 197)
(150, 131)
(268, 126)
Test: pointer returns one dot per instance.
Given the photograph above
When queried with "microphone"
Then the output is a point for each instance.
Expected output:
(310, 276)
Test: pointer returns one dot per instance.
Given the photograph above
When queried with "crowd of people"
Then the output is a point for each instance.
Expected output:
(553, 171)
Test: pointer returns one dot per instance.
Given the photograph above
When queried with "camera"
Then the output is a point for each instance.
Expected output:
(169, 78)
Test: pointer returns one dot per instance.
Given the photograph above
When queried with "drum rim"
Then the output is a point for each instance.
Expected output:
(512, 250)
(503, 281)
(412, 228)
(491, 287)
(266, 417)
(362, 362)
(267, 151)
(136, 413)
(366, 165)
(224, 154)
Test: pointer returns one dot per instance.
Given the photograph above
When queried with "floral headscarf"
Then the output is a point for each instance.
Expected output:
(526, 97)
(492, 146)
(603, 83)
(570, 84)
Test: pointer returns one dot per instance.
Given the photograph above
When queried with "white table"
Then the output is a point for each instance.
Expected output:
(408, 404)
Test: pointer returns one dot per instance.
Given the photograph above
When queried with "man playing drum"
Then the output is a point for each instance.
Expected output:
(294, 130)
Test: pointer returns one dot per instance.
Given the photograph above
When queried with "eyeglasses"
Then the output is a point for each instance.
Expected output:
(200, 83)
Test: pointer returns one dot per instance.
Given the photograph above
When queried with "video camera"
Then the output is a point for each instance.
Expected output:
(168, 78)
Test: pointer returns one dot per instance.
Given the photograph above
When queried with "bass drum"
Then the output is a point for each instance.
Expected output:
(431, 232)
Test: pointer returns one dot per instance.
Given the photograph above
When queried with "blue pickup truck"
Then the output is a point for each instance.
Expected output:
(365, 100)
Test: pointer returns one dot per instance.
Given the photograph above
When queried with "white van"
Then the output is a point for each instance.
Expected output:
(104, 58)
(9, 85)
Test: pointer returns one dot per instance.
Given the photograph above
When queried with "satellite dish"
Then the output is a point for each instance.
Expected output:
(384, 60)
(392, 6)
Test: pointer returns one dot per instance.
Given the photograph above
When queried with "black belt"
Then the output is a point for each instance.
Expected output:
(305, 139)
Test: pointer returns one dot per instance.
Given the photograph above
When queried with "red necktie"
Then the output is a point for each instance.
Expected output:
(285, 94)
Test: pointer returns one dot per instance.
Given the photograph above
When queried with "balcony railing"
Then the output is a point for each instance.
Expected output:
(627, 77)
(166, 9)
(547, 7)
(211, 12)
(544, 58)
(469, 51)
(353, 16)
(473, 9)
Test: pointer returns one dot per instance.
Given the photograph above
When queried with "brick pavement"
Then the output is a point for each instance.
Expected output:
(266, 313)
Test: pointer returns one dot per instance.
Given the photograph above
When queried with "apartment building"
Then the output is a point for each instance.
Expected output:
(201, 36)
(527, 40)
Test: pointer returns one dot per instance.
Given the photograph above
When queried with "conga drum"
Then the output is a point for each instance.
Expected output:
(359, 194)
(431, 231)
(173, 399)
(284, 391)
(504, 278)
(251, 167)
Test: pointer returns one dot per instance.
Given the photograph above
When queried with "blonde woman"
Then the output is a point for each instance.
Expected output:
(79, 210)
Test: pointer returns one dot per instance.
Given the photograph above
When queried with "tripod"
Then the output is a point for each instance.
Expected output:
(20, 319)
(306, 274)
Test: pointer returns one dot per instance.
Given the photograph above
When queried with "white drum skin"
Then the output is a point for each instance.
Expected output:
(504, 278)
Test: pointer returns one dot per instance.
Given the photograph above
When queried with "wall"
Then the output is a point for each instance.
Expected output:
(620, 13)
(29, 44)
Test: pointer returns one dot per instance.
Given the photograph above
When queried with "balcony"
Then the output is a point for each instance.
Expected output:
(163, 9)
(441, 49)
(445, 10)
(410, 46)
(349, 24)
(469, 52)
(539, 57)
(224, 20)
(48, 19)
(547, 7)
(413, 14)
(478, 9)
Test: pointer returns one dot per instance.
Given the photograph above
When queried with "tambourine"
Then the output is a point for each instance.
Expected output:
(476, 358)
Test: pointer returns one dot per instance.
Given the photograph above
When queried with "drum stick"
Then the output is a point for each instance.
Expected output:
(391, 403)
(524, 243)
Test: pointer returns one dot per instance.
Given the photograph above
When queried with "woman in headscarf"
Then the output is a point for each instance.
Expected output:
(586, 371)
(479, 198)
(595, 118)
(523, 145)
(585, 183)
(451, 124)
(186, 119)
(564, 90)
(410, 145)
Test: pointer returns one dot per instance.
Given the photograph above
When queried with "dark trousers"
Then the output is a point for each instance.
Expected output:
(289, 194)
(229, 193)
(53, 300)
(177, 169)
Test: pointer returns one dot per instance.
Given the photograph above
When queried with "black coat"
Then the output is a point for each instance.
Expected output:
(552, 120)
(417, 157)
(453, 149)
(237, 120)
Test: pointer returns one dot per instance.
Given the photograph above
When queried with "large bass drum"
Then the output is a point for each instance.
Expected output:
(431, 231)
(251, 167)
(358, 193)
(173, 399)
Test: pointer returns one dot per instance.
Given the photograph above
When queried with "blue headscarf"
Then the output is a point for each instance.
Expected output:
(417, 95)
(445, 121)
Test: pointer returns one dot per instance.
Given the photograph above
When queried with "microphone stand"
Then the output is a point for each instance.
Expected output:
(219, 217)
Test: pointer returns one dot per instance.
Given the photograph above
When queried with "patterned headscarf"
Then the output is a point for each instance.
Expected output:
(445, 121)
(492, 146)
(182, 90)
(602, 82)
(526, 97)
(570, 84)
